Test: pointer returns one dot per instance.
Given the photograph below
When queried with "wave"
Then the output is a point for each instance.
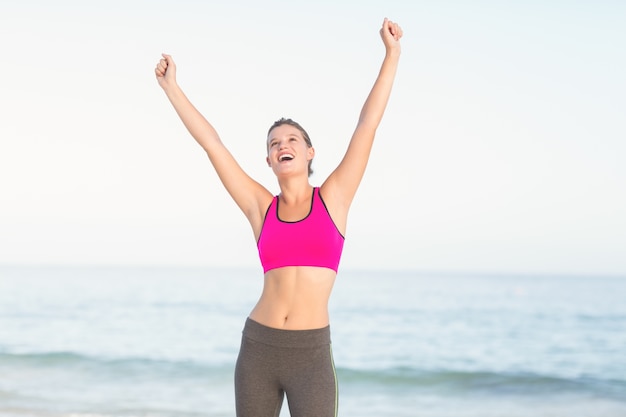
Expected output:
(70, 362)
(513, 383)
(399, 378)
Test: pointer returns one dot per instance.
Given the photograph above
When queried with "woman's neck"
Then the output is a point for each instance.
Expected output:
(295, 191)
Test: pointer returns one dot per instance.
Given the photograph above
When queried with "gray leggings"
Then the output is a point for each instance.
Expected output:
(274, 362)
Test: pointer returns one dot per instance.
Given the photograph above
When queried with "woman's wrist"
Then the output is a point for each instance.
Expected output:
(392, 52)
(172, 89)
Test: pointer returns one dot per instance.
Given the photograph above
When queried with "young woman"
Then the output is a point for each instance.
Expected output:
(286, 345)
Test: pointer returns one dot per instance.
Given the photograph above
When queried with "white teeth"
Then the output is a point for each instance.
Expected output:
(285, 157)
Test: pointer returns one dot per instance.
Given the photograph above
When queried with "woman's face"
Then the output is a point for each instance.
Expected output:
(287, 151)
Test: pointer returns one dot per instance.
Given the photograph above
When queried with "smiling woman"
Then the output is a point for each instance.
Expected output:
(290, 135)
(286, 349)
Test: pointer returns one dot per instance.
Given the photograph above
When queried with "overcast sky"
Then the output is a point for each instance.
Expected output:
(503, 147)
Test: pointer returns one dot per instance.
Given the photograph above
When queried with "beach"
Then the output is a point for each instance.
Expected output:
(147, 341)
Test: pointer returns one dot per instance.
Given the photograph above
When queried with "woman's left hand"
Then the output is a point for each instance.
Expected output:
(391, 33)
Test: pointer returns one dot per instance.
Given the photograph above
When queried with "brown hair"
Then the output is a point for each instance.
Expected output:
(307, 139)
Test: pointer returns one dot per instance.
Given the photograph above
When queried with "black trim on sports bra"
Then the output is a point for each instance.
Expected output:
(302, 219)
(319, 193)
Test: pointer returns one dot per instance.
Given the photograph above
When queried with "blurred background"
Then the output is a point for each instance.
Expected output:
(484, 270)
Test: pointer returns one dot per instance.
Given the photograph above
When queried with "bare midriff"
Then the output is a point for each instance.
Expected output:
(295, 298)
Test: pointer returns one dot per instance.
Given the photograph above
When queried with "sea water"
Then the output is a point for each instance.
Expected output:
(130, 341)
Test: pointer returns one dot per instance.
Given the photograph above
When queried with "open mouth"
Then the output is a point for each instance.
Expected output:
(285, 157)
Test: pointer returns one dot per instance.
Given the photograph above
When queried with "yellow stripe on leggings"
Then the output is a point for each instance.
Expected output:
(332, 362)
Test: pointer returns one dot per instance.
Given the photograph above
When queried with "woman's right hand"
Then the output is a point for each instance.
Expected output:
(391, 33)
(166, 72)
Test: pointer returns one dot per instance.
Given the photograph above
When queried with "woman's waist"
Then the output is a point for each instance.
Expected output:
(295, 298)
(294, 314)
(290, 338)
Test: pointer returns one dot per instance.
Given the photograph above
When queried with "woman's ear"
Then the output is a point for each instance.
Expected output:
(267, 159)
(310, 153)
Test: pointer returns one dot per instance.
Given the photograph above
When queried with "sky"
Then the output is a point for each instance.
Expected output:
(501, 151)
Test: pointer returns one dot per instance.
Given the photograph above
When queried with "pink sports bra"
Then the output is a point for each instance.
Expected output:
(312, 241)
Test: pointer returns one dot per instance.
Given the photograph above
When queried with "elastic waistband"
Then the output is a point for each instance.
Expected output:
(286, 338)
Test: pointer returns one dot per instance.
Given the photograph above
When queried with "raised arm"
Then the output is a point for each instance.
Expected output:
(249, 195)
(341, 185)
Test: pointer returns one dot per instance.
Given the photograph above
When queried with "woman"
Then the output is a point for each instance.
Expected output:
(286, 346)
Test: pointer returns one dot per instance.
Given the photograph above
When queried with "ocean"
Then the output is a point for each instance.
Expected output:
(129, 341)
